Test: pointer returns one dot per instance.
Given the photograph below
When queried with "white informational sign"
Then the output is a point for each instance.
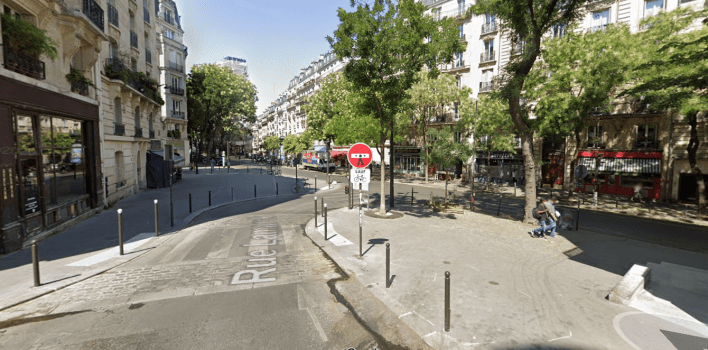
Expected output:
(360, 176)
(362, 187)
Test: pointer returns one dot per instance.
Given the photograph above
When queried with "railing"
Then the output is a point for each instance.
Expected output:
(146, 14)
(148, 56)
(80, 87)
(487, 57)
(489, 27)
(112, 15)
(175, 66)
(119, 129)
(176, 90)
(133, 39)
(485, 86)
(458, 64)
(94, 12)
(138, 132)
(178, 114)
(601, 27)
(152, 134)
(23, 64)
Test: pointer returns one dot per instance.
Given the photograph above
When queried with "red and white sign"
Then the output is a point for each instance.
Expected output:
(359, 155)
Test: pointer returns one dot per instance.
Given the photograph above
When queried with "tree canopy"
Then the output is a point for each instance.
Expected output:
(294, 144)
(271, 142)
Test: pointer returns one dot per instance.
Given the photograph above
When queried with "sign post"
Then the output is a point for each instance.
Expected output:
(359, 157)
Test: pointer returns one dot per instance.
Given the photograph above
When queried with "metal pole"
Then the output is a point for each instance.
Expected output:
(388, 265)
(315, 183)
(325, 216)
(447, 301)
(500, 202)
(232, 194)
(315, 212)
(322, 205)
(35, 263)
(248, 169)
(120, 230)
(360, 254)
(190, 202)
(157, 226)
(411, 195)
(172, 208)
(276, 188)
(514, 189)
(577, 215)
(210, 198)
(255, 194)
(392, 161)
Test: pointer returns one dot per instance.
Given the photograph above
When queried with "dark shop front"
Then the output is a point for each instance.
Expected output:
(49, 161)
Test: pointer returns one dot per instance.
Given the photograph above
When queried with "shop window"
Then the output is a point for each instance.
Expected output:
(25, 135)
(594, 137)
(70, 172)
(646, 136)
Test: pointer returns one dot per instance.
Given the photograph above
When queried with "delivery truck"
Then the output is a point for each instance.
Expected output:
(316, 160)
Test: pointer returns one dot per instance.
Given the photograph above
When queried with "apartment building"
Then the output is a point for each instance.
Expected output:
(171, 64)
(50, 158)
(235, 64)
(641, 151)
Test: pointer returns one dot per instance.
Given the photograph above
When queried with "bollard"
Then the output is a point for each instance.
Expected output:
(315, 212)
(315, 182)
(472, 202)
(447, 301)
(157, 226)
(577, 215)
(617, 202)
(325, 222)
(190, 202)
(248, 169)
(360, 254)
(322, 205)
(411, 196)
(35, 263)
(210, 198)
(120, 230)
(255, 194)
(261, 169)
(388, 265)
(276, 188)
(514, 188)
(500, 202)
(232, 194)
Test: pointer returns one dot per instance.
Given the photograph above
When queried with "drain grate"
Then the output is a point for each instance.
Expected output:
(573, 252)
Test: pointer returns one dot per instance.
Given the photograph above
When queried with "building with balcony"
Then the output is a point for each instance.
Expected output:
(171, 61)
(235, 64)
(50, 121)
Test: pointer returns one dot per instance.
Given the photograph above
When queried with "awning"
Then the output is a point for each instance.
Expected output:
(623, 165)
(179, 160)
(338, 153)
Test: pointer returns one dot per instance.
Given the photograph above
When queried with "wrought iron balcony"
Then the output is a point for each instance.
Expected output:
(138, 132)
(148, 56)
(112, 15)
(489, 27)
(23, 64)
(146, 14)
(487, 57)
(119, 129)
(80, 87)
(152, 134)
(176, 90)
(485, 86)
(175, 66)
(133, 39)
(94, 12)
(178, 114)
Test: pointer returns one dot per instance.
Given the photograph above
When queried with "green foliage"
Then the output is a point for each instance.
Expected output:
(175, 134)
(26, 38)
(445, 150)
(271, 142)
(76, 76)
(293, 144)
(491, 124)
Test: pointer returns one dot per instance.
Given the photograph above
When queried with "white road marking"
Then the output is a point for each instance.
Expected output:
(524, 293)
(436, 277)
(114, 252)
(429, 334)
(472, 344)
(473, 267)
(571, 334)
(421, 316)
(333, 236)
(406, 314)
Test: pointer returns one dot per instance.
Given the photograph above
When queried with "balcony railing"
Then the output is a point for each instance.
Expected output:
(148, 56)
(23, 64)
(80, 87)
(112, 15)
(146, 14)
(152, 134)
(133, 39)
(94, 12)
(458, 64)
(119, 129)
(176, 90)
(175, 66)
(489, 27)
(178, 114)
(138, 132)
(487, 57)
(485, 86)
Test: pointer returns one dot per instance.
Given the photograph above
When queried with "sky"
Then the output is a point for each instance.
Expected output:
(276, 38)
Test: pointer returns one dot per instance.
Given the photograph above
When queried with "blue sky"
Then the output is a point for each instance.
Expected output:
(276, 38)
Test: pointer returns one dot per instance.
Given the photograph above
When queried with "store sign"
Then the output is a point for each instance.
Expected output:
(31, 205)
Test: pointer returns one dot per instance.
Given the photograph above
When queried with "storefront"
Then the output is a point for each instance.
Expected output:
(623, 173)
(500, 167)
(49, 161)
(408, 161)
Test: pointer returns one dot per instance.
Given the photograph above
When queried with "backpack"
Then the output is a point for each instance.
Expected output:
(536, 215)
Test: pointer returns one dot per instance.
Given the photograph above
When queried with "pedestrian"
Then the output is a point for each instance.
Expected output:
(553, 215)
(545, 213)
(213, 162)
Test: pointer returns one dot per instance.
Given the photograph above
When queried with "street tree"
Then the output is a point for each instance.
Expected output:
(679, 86)
(294, 144)
(271, 143)
(528, 21)
(387, 43)
(219, 103)
(429, 98)
(446, 149)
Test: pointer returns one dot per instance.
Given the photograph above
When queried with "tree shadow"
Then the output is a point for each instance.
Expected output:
(373, 242)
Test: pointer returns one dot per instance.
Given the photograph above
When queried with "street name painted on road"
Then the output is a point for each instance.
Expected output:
(264, 229)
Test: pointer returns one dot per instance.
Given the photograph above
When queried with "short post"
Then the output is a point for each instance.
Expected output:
(210, 198)
(315, 212)
(447, 301)
(388, 265)
(157, 225)
(617, 202)
(325, 216)
(514, 189)
(276, 188)
(232, 194)
(577, 215)
(190, 203)
(261, 169)
(315, 182)
(500, 203)
(472, 202)
(360, 254)
(255, 194)
(248, 169)
(35, 263)
(411, 195)
(120, 230)
(322, 205)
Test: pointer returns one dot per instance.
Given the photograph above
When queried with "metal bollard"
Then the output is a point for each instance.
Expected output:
(232, 194)
(447, 301)
(315, 182)
(577, 215)
(248, 169)
(210, 198)
(500, 203)
(35, 263)
(157, 225)
(617, 202)
(388, 265)
(261, 169)
(325, 222)
(514, 188)
(315, 212)
(411, 196)
(190, 202)
(255, 193)
(322, 205)
(120, 230)
(276, 188)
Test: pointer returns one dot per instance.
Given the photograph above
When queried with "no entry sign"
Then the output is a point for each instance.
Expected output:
(359, 155)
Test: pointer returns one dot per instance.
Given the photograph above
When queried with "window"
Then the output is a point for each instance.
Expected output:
(461, 7)
(488, 54)
(653, 7)
(169, 34)
(462, 32)
(119, 169)
(436, 13)
(176, 105)
(600, 20)
(176, 81)
(646, 136)
(458, 60)
(559, 30)
(117, 111)
(594, 137)
(459, 81)
(488, 19)
(457, 112)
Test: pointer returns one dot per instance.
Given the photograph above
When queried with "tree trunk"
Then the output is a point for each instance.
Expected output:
(692, 149)
(527, 152)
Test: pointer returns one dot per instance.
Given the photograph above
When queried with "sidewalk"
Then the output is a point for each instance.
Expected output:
(508, 291)
(90, 247)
